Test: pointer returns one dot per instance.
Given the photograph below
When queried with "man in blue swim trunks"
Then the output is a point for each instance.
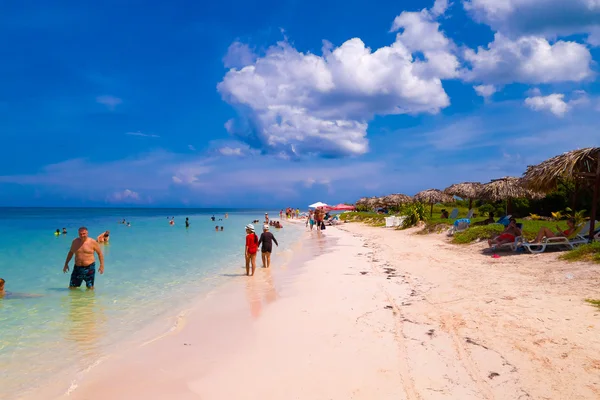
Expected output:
(85, 264)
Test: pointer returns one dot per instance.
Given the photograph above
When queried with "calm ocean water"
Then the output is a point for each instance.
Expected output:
(152, 271)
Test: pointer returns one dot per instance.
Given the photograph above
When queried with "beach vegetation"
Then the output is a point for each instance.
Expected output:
(369, 218)
(586, 252)
(535, 217)
(413, 214)
(477, 233)
(594, 302)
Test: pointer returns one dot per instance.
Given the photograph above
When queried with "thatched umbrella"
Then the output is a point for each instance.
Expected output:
(507, 188)
(432, 196)
(361, 202)
(465, 190)
(580, 165)
(397, 199)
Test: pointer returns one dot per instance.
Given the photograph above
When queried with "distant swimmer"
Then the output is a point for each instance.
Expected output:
(172, 221)
(212, 218)
(226, 215)
(187, 222)
(9, 295)
(217, 228)
(84, 248)
(221, 229)
(104, 237)
(266, 218)
(57, 233)
(250, 249)
(266, 239)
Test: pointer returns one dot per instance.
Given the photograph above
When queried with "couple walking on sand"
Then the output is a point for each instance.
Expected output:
(252, 244)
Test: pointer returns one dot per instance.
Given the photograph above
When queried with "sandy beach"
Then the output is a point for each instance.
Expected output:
(371, 313)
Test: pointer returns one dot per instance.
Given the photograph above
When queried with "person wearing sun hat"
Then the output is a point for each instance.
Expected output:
(250, 249)
(266, 239)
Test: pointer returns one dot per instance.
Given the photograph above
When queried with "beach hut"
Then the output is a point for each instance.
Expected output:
(432, 196)
(581, 166)
(507, 188)
(465, 190)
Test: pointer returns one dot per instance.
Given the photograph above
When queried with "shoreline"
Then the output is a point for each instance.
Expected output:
(369, 313)
(166, 324)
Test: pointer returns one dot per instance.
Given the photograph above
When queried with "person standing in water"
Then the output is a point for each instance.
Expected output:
(250, 249)
(266, 239)
(187, 222)
(84, 248)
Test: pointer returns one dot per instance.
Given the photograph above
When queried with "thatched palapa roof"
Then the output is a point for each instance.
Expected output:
(465, 190)
(397, 199)
(431, 196)
(507, 188)
(579, 165)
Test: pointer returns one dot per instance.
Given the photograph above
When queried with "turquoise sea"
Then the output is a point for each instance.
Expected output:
(152, 271)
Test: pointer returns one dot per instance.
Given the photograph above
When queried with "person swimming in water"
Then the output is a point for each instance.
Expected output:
(104, 237)
(57, 233)
(64, 232)
(9, 295)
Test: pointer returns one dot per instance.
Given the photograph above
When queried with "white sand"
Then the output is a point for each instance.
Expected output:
(378, 314)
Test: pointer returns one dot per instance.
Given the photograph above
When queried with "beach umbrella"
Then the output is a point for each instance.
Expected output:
(432, 196)
(507, 188)
(397, 199)
(343, 207)
(582, 166)
(465, 190)
(318, 204)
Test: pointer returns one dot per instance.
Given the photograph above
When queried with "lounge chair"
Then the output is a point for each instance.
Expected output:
(514, 245)
(504, 220)
(453, 214)
(470, 213)
(569, 242)
(460, 225)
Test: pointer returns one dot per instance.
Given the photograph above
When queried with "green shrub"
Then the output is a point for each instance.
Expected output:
(477, 232)
(586, 252)
(413, 213)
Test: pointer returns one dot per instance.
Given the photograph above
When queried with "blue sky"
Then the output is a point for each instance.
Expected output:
(270, 104)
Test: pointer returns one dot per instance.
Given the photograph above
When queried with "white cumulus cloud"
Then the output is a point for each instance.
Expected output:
(554, 103)
(293, 103)
(238, 55)
(125, 196)
(485, 90)
(528, 59)
(549, 18)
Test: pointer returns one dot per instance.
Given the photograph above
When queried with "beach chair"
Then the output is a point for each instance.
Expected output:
(453, 214)
(470, 213)
(460, 225)
(504, 220)
(576, 238)
(511, 245)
